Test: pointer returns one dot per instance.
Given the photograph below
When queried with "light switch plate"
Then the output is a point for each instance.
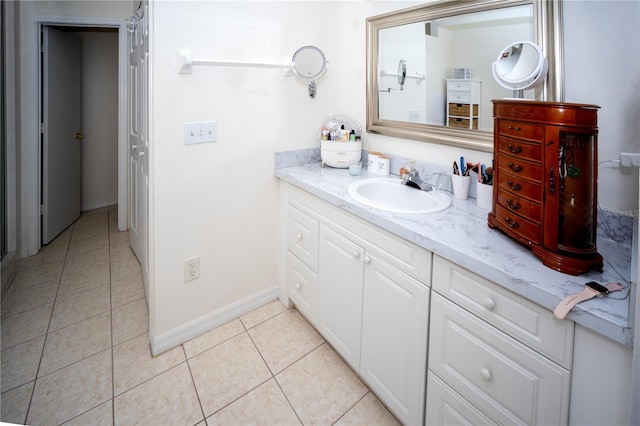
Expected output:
(200, 132)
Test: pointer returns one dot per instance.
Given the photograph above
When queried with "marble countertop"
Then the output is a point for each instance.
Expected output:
(461, 235)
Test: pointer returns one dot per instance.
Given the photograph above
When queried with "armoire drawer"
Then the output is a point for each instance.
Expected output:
(523, 320)
(507, 381)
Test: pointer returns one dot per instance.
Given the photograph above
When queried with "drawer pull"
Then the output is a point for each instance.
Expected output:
(485, 374)
(367, 260)
(514, 206)
(512, 223)
(515, 167)
(489, 304)
(514, 186)
(514, 128)
(299, 237)
(515, 149)
(356, 255)
(298, 286)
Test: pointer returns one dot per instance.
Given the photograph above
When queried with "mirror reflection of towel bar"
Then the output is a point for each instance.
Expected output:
(419, 77)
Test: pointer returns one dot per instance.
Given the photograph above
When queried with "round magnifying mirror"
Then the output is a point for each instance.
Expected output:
(520, 66)
(309, 62)
(402, 72)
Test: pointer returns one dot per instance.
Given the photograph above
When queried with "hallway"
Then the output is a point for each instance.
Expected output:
(75, 349)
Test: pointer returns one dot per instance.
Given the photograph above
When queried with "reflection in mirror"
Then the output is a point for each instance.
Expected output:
(452, 44)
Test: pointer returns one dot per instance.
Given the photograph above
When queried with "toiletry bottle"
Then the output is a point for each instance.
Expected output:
(404, 171)
(352, 135)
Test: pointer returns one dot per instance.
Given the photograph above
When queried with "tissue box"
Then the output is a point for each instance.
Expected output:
(338, 153)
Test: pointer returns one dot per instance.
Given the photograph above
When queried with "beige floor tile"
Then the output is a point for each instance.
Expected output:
(226, 372)
(87, 260)
(87, 244)
(368, 411)
(262, 314)
(320, 387)
(284, 339)
(133, 362)
(87, 279)
(75, 342)
(124, 267)
(89, 229)
(167, 399)
(265, 405)
(212, 338)
(121, 249)
(116, 237)
(26, 325)
(102, 415)
(14, 404)
(47, 254)
(32, 276)
(20, 363)
(126, 290)
(20, 300)
(130, 320)
(76, 307)
(71, 391)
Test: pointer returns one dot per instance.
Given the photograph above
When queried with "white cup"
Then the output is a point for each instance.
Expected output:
(372, 162)
(383, 165)
(484, 196)
(460, 186)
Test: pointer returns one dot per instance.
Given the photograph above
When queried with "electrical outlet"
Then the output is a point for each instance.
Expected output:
(414, 115)
(200, 132)
(191, 269)
(628, 159)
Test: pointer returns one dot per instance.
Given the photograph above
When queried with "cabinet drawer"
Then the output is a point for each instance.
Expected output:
(459, 97)
(462, 86)
(302, 237)
(521, 206)
(446, 407)
(520, 149)
(302, 283)
(520, 130)
(522, 188)
(520, 167)
(527, 322)
(517, 226)
(507, 381)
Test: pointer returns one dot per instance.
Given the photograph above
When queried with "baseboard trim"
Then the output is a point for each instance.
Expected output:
(98, 205)
(198, 326)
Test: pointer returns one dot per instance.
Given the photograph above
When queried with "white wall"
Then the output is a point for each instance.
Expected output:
(219, 200)
(99, 160)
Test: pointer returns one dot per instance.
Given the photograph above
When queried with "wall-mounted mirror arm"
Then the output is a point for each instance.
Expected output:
(419, 77)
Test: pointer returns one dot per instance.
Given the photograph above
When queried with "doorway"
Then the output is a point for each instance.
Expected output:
(30, 186)
(80, 123)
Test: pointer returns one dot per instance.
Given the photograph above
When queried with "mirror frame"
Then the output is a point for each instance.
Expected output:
(546, 33)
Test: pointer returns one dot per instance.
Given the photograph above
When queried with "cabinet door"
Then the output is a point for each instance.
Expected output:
(341, 272)
(394, 338)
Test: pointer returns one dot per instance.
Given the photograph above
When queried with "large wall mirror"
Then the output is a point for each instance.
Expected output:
(446, 50)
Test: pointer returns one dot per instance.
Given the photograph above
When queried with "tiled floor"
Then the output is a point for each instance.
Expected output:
(75, 350)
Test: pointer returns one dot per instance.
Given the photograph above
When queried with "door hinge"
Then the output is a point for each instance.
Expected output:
(41, 127)
(41, 210)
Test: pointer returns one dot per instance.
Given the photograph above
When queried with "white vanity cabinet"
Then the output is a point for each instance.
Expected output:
(368, 297)
(494, 356)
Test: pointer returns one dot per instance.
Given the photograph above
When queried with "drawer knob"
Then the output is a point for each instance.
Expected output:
(356, 255)
(514, 128)
(489, 304)
(299, 237)
(512, 223)
(514, 186)
(514, 205)
(298, 286)
(485, 373)
(367, 260)
(515, 149)
(515, 167)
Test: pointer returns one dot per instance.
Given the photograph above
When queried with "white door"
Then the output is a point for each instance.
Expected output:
(138, 139)
(61, 132)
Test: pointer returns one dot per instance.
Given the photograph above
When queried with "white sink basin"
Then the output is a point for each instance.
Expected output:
(391, 195)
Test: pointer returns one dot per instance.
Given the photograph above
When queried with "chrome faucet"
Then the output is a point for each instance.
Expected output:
(414, 180)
